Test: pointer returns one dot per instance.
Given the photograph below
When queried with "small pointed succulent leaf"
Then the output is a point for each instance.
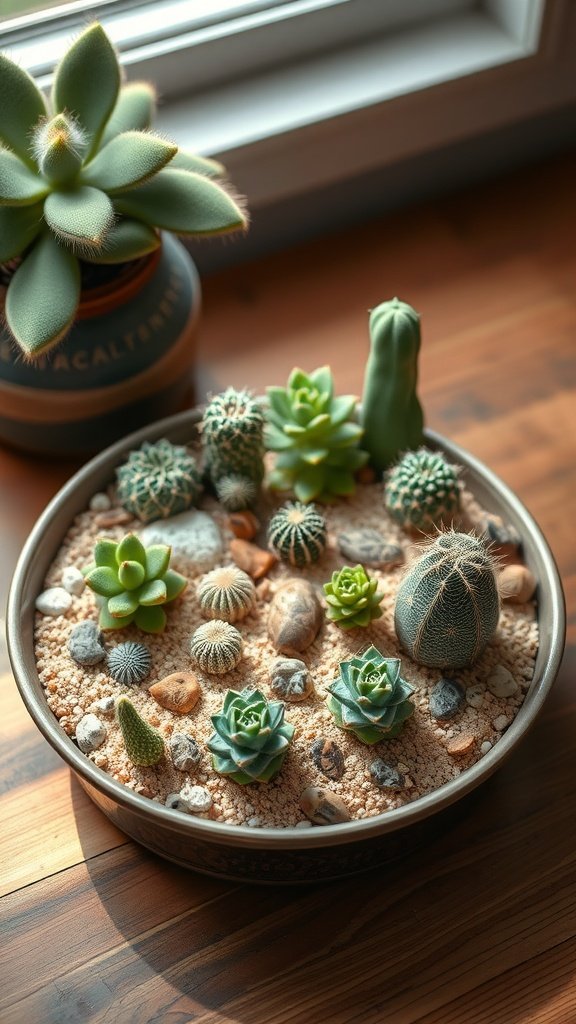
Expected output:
(106, 621)
(104, 581)
(134, 110)
(198, 164)
(131, 549)
(19, 185)
(51, 275)
(128, 160)
(151, 620)
(152, 593)
(21, 106)
(81, 216)
(183, 202)
(126, 240)
(105, 552)
(157, 560)
(87, 82)
(131, 574)
(19, 225)
(175, 584)
(123, 604)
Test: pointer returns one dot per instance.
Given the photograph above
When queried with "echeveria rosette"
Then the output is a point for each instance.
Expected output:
(133, 582)
(353, 597)
(370, 698)
(316, 437)
(82, 177)
(251, 738)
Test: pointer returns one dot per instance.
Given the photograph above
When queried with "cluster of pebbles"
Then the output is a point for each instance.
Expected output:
(289, 651)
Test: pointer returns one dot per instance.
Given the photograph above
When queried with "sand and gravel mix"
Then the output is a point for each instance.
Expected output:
(428, 753)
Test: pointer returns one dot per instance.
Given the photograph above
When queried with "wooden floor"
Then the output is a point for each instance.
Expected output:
(478, 928)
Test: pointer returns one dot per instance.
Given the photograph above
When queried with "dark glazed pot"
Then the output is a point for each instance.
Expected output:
(127, 361)
(266, 854)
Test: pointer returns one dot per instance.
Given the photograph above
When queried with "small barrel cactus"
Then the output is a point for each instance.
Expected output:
(226, 593)
(144, 745)
(391, 413)
(236, 493)
(352, 597)
(447, 606)
(232, 429)
(422, 490)
(370, 698)
(134, 582)
(297, 533)
(216, 647)
(315, 436)
(251, 737)
(158, 480)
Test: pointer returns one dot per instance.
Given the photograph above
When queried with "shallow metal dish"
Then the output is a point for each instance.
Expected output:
(266, 854)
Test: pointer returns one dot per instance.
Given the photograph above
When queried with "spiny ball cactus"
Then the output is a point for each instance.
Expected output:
(251, 737)
(391, 413)
(158, 480)
(422, 490)
(134, 583)
(352, 597)
(315, 436)
(236, 493)
(82, 178)
(216, 647)
(144, 745)
(232, 429)
(226, 593)
(297, 533)
(447, 606)
(370, 698)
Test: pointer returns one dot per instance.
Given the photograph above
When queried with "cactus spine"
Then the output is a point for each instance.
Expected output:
(391, 413)
(447, 606)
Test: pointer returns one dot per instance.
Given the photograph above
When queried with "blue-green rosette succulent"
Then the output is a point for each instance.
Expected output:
(133, 583)
(352, 597)
(251, 737)
(370, 698)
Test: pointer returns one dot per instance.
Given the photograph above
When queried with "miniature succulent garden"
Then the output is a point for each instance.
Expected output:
(298, 618)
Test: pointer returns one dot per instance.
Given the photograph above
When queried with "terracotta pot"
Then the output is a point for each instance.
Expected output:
(267, 854)
(127, 361)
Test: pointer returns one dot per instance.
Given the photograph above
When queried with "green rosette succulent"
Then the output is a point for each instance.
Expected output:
(133, 582)
(251, 738)
(315, 435)
(81, 176)
(352, 597)
(370, 698)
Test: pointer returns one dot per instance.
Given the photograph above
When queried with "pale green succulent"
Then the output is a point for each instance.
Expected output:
(370, 698)
(352, 597)
(82, 178)
(251, 737)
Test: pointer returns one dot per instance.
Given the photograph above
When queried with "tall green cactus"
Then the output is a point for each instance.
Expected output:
(391, 413)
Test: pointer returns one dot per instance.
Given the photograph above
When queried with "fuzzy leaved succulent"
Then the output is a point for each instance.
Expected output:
(315, 435)
(251, 737)
(133, 582)
(370, 698)
(83, 179)
(352, 597)
(158, 480)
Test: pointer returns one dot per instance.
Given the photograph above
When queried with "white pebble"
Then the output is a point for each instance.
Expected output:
(502, 683)
(194, 537)
(475, 695)
(73, 581)
(253, 822)
(175, 802)
(500, 723)
(54, 601)
(90, 733)
(303, 824)
(486, 746)
(100, 502)
(197, 799)
(106, 705)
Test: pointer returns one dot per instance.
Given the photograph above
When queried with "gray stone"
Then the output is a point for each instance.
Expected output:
(194, 537)
(446, 699)
(54, 601)
(90, 733)
(328, 758)
(475, 695)
(502, 683)
(106, 705)
(100, 502)
(369, 547)
(290, 679)
(184, 751)
(386, 776)
(197, 799)
(175, 802)
(73, 581)
(86, 643)
(295, 617)
(323, 807)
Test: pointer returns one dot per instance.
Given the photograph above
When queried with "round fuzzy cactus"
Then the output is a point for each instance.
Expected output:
(216, 647)
(422, 490)
(447, 607)
(251, 737)
(236, 493)
(370, 698)
(232, 429)
(297, 534)
(352, 597)
(316, 437)
(226, 593)
(159, 480)
(144, 745)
